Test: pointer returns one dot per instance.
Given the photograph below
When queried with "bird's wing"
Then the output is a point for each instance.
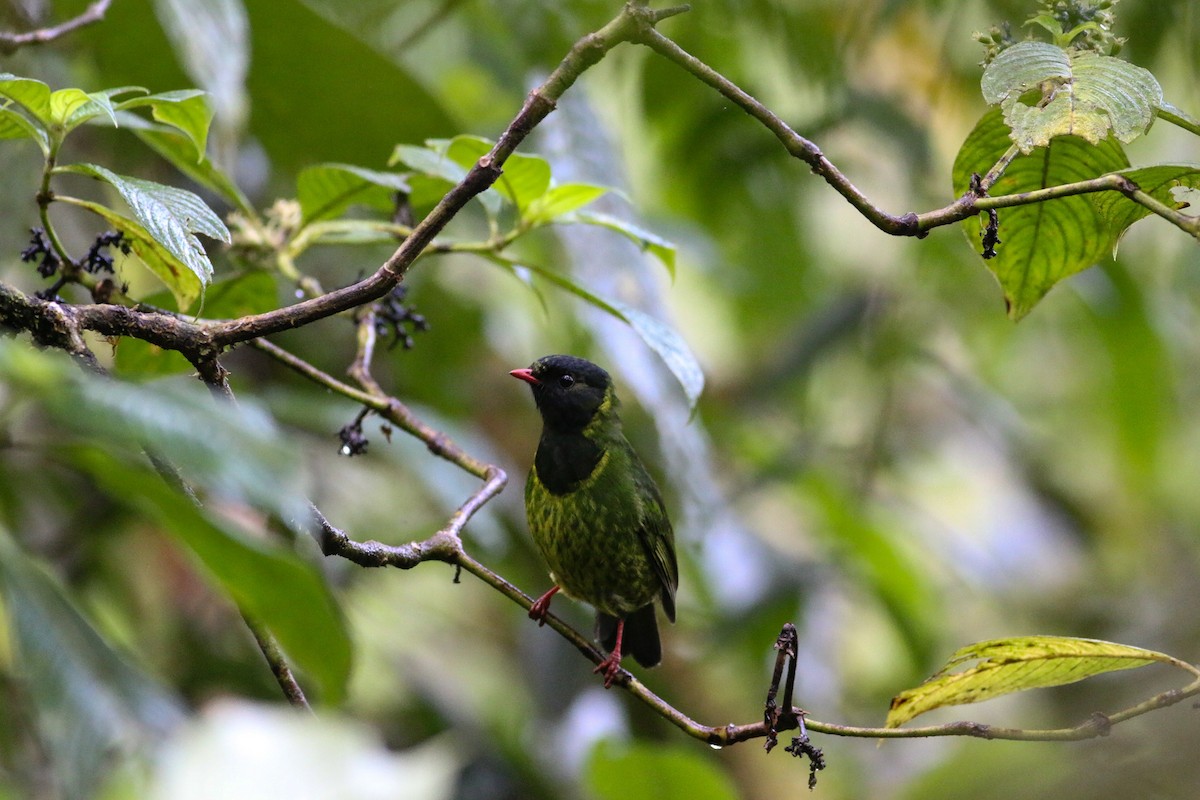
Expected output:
(656, 535)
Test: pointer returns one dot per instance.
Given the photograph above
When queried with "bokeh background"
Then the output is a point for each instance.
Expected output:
(880, 456)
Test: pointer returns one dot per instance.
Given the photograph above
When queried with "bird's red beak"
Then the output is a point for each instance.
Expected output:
(525, 375)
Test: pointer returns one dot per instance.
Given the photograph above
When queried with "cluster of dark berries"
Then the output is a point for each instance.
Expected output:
(96, 260)
(354, 441)
(39, 247)
(400, 318)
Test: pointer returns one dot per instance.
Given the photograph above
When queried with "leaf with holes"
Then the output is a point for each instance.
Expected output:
(1046, 91)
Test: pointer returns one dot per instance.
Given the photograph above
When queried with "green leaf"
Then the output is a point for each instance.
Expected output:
(1158, 181)
(1042, 243)
(170, 218)
(270, 583)
(254, 292)
(180, 151)
(65, 102)
(186, 110)
(664, 340)
(340, 114)
(327, 190)
(524, 179)
(1012, 665)
(427, 161)
(1177, 116)
(561, 200)
(650, 242)
(14, 125)
(1078, 93)
(74, 113)
(233, 453)
(433, 162)
(670, 347)
(33, 96)
(353, 232)
(645, 771)
(91, 704)
(183, 281)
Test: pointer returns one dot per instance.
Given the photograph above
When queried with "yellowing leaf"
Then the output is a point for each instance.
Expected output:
(1012, 665)
(1074, 93)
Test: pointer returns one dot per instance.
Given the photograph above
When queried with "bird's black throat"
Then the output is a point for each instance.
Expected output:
(564, 460)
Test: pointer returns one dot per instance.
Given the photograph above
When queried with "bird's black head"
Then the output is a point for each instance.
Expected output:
(569, 391)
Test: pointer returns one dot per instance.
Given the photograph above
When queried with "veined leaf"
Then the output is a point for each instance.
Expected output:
(65, 102)
(1078, 93)
(183, 281)
(168, 216)
(99, 103)
(525, 178)
(650, 242)
(670, 347)
(435, 164)
(186, 110)
(15, 125)
(327, 190)
(33, 96)
(664, 340)
(1041, 243)
(561, 200)
(180, 150)
(1158, 181)
(1011, 665)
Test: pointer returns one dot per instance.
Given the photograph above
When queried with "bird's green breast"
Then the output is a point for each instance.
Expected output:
(591, 530)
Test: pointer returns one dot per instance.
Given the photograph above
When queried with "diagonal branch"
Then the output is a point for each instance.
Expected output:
(11, 42)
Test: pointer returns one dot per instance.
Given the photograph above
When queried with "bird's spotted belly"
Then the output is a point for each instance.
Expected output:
(593, 549)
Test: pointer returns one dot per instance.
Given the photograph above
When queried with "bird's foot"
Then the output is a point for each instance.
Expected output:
(541, 607)
(610, 668)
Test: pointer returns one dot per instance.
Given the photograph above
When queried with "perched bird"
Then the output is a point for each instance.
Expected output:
(595, 514)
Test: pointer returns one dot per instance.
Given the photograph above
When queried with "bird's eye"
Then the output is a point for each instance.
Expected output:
(566, 381)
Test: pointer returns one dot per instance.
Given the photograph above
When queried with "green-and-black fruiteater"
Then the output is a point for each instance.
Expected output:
(595, 513)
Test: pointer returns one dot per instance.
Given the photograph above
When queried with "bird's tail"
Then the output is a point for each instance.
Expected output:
(639, 639)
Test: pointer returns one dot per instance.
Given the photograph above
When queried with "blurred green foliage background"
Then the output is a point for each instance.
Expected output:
(879, 456)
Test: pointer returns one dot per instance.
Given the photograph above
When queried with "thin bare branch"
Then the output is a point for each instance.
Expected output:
(11, 42)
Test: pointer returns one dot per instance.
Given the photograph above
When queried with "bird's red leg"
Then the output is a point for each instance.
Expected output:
(541, 606)
(612, 665)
